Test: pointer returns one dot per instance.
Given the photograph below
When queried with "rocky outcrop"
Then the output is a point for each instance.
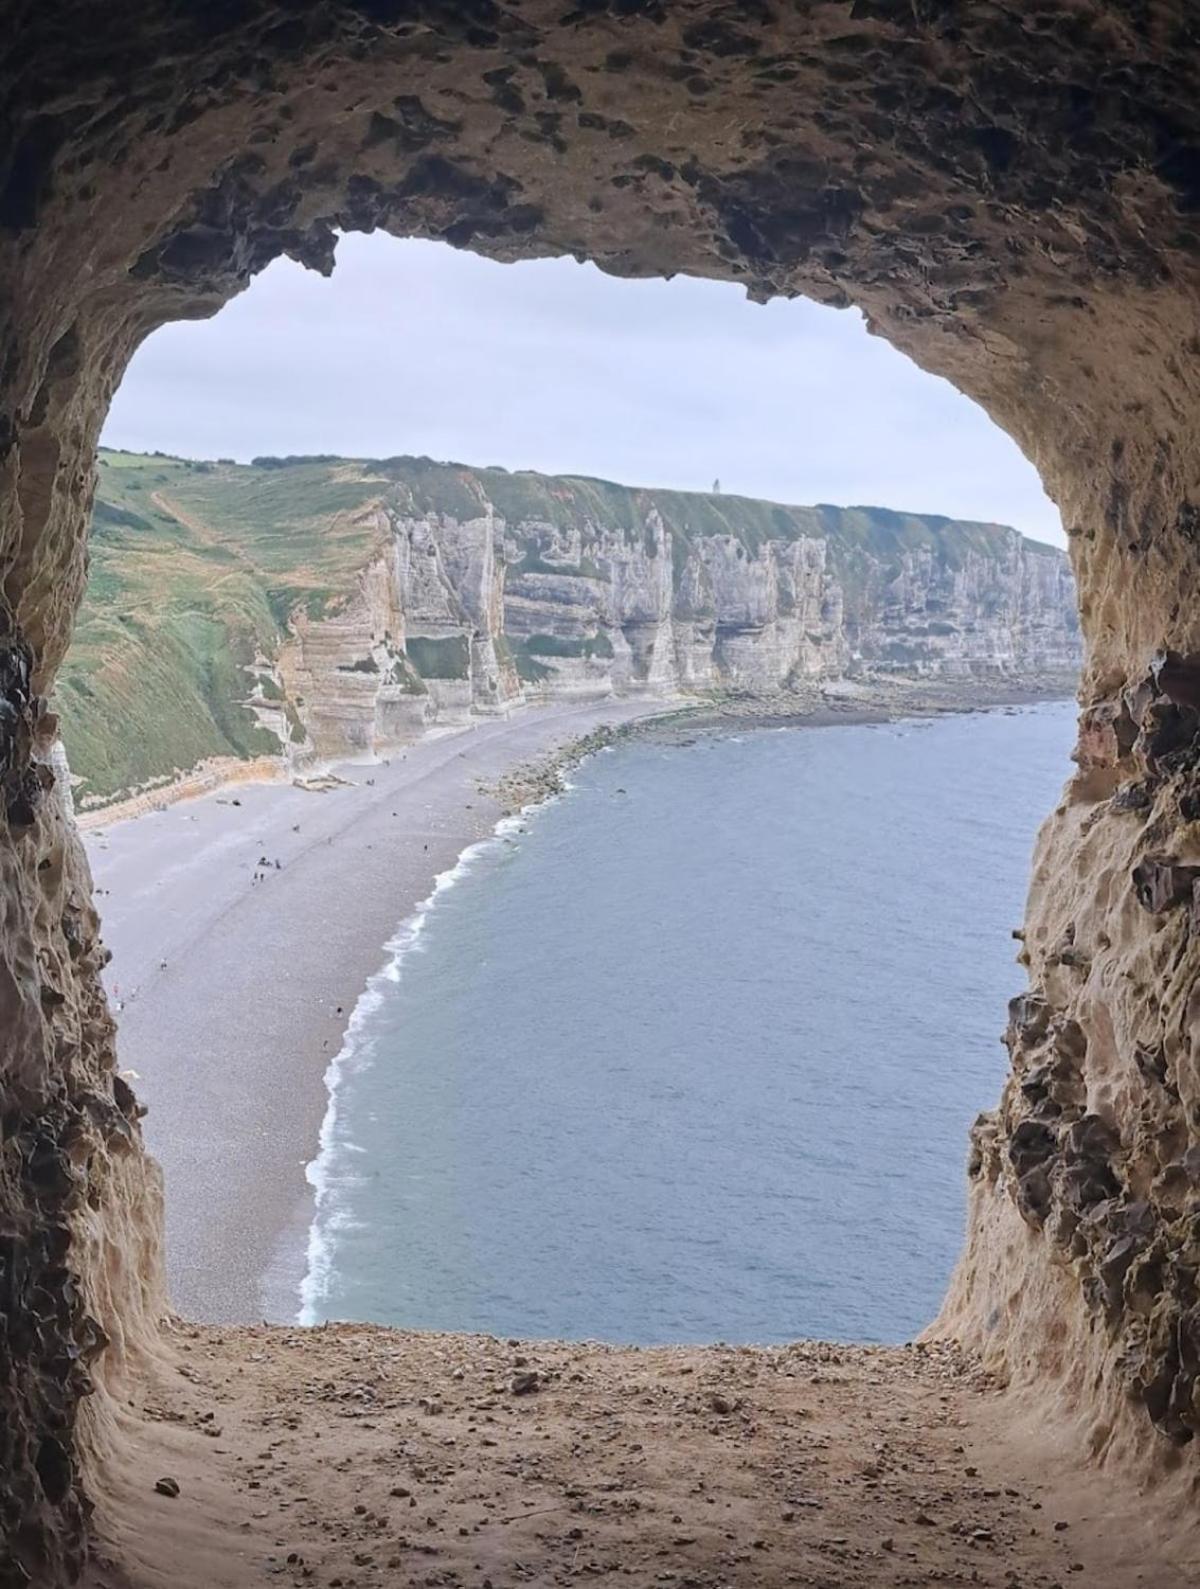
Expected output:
(1093, 1145)
(492, 589)
(337, 678)
(1010, 196)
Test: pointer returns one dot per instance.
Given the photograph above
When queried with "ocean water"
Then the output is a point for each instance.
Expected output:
(690, 1053)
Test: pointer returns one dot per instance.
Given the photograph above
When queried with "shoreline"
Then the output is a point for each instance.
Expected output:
(318, 1245)
(818, 704)
(815, 706)
(245, 924)
(218, 957)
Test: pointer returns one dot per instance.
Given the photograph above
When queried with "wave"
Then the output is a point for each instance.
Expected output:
(327, 1174)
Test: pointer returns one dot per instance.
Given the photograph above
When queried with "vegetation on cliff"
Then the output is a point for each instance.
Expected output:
(195, 569)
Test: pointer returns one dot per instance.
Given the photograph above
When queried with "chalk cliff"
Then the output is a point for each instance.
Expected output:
(380, 596)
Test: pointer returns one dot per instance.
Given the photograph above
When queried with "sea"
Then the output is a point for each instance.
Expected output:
(690, 1053)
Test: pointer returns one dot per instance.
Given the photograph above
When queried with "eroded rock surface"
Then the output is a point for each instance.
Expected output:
(1011, 196)
(1094, 1141)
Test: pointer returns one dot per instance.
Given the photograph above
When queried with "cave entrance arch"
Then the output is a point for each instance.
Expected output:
(1011, 201)
(323, 679)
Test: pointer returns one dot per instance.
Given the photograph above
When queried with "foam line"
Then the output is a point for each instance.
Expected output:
(327, 1171)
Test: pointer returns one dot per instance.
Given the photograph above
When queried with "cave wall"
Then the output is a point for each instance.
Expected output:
(1009, 193)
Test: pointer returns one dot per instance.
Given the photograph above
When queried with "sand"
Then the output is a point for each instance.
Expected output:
(363, 1458)
(234, 994)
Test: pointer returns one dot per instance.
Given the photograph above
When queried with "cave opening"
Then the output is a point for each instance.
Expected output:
(1027, 237)
(280, 569)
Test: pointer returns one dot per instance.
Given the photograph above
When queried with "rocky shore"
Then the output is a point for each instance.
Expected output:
(881, 699)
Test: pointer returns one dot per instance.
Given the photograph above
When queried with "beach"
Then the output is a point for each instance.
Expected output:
(233, 995)
(246, 922)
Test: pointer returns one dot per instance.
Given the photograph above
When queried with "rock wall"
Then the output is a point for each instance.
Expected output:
(1093, 1149)
(67, 1131)
(1008, 193)
(1012, 609)
(638, 591)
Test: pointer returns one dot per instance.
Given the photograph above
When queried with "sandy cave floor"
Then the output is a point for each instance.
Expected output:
(360, 1457)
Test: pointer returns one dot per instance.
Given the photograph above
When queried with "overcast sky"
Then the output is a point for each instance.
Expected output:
(414, 347)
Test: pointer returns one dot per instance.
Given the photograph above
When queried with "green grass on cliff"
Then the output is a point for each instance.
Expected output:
(447, 657)
(196, 567)
(193, 569)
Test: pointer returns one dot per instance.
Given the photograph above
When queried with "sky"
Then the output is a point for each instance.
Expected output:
(415, 347)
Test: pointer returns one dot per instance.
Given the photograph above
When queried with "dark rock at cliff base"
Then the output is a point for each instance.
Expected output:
(1178, 678)
(1161, 883)
(1132, 797)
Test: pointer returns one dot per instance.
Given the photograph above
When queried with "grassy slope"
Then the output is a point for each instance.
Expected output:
(193, 570)
(196, 566)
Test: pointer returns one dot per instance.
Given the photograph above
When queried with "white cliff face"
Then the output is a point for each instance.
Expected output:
(469, 615)
(1012, 613)
(676, 614)
(773, 614)
(451, 594)
(344, 681)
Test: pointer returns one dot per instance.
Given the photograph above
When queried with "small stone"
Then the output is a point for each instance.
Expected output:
(167, 1486)
(523, 1383)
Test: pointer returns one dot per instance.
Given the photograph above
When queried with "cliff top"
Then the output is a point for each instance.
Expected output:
(308, 486)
